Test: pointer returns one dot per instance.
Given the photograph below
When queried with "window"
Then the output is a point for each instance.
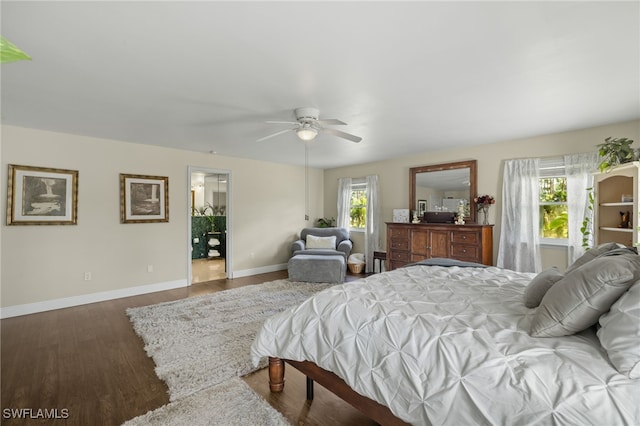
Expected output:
(554, 215)
(358, 205)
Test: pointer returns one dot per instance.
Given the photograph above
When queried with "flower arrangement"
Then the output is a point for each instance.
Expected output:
(484, 201)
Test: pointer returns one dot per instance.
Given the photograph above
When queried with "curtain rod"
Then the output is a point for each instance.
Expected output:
(550, 156)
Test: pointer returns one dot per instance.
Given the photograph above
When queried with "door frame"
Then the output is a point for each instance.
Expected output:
(228, 236)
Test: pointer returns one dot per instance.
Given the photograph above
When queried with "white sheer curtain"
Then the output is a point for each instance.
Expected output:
(579, 169)
(519, 247)
(344, 203)
(372, 232)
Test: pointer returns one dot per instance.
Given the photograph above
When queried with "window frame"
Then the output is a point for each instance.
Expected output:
(358, 185)
(552, 168)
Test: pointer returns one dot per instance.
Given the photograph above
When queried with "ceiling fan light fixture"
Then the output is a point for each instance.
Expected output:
(307, 133)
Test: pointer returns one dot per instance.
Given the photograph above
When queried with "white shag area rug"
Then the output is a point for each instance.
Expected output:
(231, 403)
(200, 342)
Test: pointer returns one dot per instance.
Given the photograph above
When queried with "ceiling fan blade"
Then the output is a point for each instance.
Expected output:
(275, 134)
(331, 122)
(281, 122)
(341, 134)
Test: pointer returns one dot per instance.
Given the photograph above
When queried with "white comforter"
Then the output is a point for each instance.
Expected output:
(450, 346)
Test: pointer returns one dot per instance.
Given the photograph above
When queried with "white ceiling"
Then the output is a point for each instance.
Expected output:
(406, 76)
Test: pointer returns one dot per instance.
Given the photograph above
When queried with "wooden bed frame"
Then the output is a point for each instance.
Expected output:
(372, 409)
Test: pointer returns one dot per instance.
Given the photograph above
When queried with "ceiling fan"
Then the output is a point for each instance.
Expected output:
(308, 125)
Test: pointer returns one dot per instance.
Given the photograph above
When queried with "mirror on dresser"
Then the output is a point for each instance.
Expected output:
(441, 187)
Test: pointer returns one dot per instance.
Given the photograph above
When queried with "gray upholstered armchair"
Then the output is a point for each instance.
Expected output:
(319, 241)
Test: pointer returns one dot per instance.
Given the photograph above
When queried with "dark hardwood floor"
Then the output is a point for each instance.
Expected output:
(87, 363)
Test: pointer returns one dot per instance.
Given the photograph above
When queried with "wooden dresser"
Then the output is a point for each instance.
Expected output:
(412, 242)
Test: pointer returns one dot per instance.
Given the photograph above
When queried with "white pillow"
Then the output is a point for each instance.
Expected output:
(576, 302)
(314, 242)
(539, 286)
(620, 333)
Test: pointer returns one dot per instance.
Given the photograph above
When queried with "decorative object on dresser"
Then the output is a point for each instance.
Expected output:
(484, 202)
(616, 195)
(401, 215)
(416, 218)
(461, 213)
(408, 243)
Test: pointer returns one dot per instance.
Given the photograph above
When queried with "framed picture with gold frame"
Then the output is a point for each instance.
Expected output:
(42, 196)
(144, 199)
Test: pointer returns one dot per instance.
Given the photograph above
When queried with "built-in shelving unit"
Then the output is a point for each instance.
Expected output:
(616, 194)
(213, 244)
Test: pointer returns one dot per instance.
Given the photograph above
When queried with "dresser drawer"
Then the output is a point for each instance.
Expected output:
(399, 244)
(400, 255)
(398, 232)
(395, 264)
(465, 237)
(465, 252)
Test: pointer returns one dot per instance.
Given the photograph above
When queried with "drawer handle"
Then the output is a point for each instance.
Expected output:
(464, 237)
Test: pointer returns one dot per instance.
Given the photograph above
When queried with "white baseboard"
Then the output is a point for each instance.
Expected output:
(256, 271)
(49, 305)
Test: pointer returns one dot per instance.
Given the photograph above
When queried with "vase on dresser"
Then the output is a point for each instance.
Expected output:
(484, 208)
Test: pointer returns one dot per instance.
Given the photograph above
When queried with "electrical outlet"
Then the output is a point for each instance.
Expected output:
(87, 276)
(149, 268)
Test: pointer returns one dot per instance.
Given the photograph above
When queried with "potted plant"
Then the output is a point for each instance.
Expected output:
(203, 211)
(616, 151)
(324, 222)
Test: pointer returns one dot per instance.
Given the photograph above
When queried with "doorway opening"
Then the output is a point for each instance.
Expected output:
(209, 236)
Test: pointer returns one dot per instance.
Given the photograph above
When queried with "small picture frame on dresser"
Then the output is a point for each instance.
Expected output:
(401, 215)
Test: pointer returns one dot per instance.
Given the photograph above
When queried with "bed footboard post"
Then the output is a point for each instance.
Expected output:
(276, 374)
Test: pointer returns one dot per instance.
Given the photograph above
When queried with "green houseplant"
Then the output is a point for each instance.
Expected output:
(616, 151)
(9, 52)
(203, 211)
(585, 229)
(324, 222)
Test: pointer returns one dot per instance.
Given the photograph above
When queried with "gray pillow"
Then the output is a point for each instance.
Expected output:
(539, 285)
(619, 333)
(591, 254)
(618, 251)
(576, 301)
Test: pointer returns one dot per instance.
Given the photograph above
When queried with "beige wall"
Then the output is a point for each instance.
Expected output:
(47, 263)
(394, 173)
(44, 263)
